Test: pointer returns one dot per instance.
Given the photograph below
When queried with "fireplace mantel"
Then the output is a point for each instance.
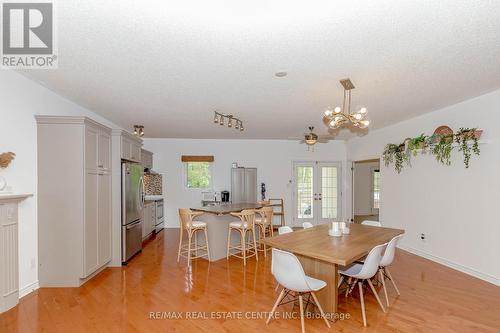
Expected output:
(9, 261)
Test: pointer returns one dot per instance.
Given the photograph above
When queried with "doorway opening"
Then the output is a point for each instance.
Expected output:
(366, 190)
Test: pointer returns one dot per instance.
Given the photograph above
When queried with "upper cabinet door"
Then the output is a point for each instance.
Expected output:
(126, 148)
(135, 152)
(147, 159)
(104, 151)
(91, 150)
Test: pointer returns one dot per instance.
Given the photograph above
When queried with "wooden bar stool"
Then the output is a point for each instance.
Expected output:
(265, 225)
(191, 227)
(244, 227)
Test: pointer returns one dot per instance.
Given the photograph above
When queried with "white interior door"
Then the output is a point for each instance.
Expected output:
(328, 192)
(317, 195)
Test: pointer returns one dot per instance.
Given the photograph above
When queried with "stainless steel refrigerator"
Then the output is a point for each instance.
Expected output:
(132, 205)
(243, 185)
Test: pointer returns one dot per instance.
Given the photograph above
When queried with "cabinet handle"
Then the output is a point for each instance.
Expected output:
(100, 166)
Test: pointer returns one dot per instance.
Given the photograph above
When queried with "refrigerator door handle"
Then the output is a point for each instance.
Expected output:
(141, 192)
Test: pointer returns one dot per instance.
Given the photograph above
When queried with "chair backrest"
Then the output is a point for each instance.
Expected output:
(264, 202)
(185, 217)
(390, 250)
(372, 261)
(284, 230)
(372, 223)
(288, 271)
(266, 213)
(307, 225)
(246, 215)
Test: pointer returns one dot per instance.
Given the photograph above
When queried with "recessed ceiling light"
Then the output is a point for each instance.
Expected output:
(280, 74)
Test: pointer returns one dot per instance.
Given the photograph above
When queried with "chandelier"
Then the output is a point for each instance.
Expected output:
(339, 116)
(220, 119)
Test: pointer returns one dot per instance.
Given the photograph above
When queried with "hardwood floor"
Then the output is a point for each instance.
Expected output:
(433, 298)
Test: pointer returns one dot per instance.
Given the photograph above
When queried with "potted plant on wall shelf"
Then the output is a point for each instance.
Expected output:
(415, 145)
(464, 137)
(396, 154)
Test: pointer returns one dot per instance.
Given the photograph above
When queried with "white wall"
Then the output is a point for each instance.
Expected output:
(455, 207)
(21, 99)
(363, 187)
(273, 159)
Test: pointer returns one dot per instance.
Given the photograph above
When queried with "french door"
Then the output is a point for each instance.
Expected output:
(317, 192)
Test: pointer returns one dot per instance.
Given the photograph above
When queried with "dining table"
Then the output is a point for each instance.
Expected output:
(321, 255)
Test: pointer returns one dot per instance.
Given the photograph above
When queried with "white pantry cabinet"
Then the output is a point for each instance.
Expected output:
(74, 199)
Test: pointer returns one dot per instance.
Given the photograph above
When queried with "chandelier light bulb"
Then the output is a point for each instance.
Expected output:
(241, 128)
(216, 118)
(358, 116)
(364, 124)
(337, 109)
(221, 122)
(230, 123)
(328, 112)
(237, 125)
(363, 110)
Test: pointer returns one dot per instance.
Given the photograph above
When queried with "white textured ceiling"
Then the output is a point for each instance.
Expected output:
(169, 64)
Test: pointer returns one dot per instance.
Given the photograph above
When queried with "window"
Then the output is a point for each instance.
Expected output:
(199, 175)
(376, 189)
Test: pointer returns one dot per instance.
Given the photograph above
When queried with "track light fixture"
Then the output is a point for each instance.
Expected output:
(139, 130)
(219, 118)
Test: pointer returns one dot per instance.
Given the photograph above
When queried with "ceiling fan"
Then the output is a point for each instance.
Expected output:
(311, 138)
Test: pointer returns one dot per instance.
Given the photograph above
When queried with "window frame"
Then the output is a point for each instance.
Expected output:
(211, 180)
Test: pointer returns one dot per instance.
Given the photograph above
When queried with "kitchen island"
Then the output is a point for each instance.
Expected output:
(217, 218)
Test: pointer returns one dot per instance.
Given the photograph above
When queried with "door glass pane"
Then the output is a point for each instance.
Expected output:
(376, 189)
(329, 192)
(304, 183)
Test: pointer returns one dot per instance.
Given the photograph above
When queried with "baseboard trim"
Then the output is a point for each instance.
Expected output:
(467, 270)
(28, 289)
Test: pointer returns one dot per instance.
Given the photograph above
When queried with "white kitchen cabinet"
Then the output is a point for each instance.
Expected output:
(147, 159)
(74, 199)
(131, 146)
(148, 219)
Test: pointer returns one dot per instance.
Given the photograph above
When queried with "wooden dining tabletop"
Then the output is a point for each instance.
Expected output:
(321, 254)
(344, 250)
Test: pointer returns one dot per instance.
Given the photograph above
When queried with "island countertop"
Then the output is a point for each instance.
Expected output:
(227, 208)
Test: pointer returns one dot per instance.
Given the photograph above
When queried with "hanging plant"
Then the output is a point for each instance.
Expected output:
(396, 154)
(463, 138)
(442, 148)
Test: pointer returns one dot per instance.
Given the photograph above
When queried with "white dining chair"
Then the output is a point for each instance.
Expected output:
(307, 225)
(386, 261)
(362, 273)
(289, 273)
(284, 230)
(372, 223)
